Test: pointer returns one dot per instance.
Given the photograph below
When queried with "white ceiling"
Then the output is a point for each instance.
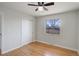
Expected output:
(57, 8)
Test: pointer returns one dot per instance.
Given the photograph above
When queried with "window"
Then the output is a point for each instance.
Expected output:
(53, 26)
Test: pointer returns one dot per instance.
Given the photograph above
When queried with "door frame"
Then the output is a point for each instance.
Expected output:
(22, 33)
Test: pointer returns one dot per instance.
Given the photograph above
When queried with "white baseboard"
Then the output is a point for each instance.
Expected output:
(26, 43)
(58, 45)
(3, 52)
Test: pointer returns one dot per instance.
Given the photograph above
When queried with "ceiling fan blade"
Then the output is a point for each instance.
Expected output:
(49, 4)
(45, 8)
(36, 9)
(32, 5)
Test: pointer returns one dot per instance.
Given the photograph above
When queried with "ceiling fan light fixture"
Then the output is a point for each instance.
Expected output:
(40, 8)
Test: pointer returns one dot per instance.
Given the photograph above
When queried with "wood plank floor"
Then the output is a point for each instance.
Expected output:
(0, 51)
(41, 49)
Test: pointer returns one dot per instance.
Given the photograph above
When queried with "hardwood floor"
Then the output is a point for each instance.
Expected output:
(0, 51)
(41, 49)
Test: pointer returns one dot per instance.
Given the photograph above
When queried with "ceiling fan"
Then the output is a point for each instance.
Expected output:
(41, 6)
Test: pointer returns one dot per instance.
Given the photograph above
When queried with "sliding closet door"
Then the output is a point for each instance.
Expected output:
(26, 31)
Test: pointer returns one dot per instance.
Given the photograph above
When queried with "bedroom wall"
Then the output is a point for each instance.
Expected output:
(12, 28)
(68, 35)
(0, 31)
(78, 30)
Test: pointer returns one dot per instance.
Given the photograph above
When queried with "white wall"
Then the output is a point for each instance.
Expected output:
(12, 28)
(78, 30)
(0, 31)
(68, 36)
